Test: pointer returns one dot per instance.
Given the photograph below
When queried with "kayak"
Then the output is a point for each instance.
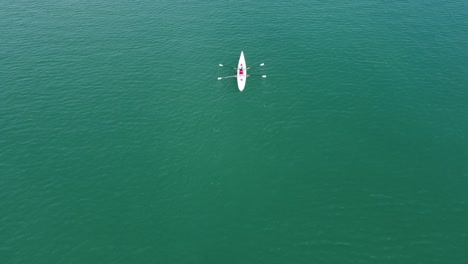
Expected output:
(241, 74)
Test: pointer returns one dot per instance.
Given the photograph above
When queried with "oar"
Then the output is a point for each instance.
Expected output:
(220, 78)
(263, 76)
(221, 65)
(259, 64)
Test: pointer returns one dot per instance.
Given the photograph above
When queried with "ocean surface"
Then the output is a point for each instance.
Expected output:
(119, 145)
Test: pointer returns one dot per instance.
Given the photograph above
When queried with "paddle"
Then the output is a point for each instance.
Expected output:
(232, 76)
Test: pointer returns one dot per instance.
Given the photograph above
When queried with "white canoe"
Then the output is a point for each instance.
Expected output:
(241, 78)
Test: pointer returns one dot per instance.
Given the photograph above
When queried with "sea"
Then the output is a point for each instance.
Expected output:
(118, 143)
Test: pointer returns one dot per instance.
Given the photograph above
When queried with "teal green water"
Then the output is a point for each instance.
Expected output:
(119, 145)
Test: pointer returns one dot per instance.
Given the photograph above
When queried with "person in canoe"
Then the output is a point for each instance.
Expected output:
(241, 70)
